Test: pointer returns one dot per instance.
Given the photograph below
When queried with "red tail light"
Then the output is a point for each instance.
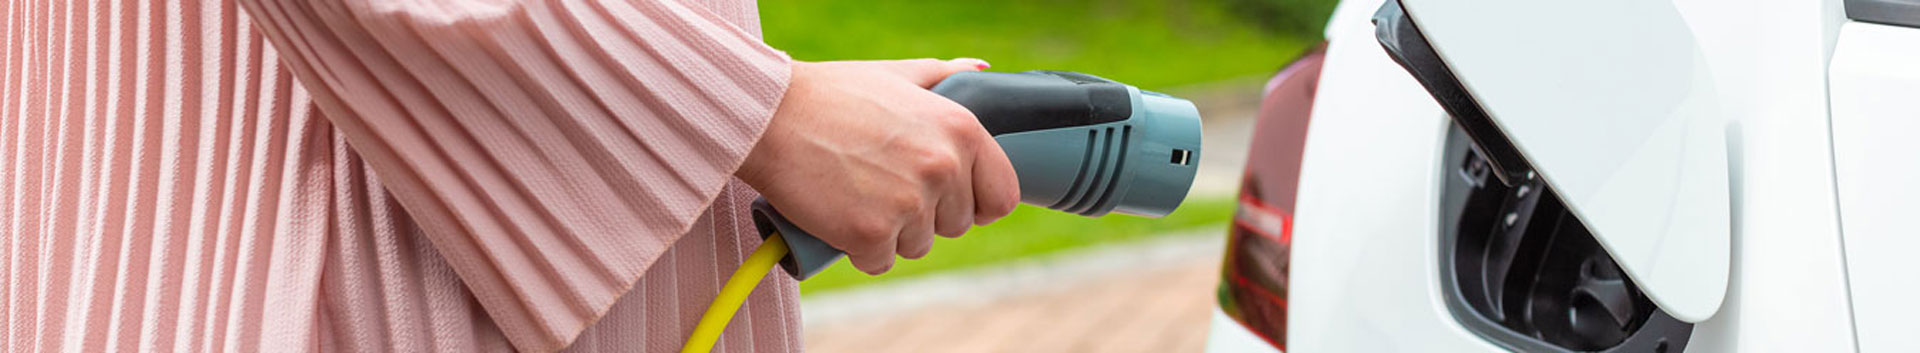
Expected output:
(1253, 286)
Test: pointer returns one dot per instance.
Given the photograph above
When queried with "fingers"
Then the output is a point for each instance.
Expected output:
(996, 190)
(874, 241)
(916, 239)
(929, 72)
(955, 211)
(956, 208)
(875, 261)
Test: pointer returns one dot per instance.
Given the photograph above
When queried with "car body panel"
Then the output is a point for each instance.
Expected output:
(1226, 335)
(1876, 116)
(1787, 288)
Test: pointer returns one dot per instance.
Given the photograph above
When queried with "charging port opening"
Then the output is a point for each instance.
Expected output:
(1182, 157)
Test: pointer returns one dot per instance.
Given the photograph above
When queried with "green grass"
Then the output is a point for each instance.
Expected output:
(1032, 231)
(1151, 44)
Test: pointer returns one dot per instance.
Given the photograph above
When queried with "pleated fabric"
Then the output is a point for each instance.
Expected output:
(379, 175)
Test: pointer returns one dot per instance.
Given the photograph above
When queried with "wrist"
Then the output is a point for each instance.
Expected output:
(753, 169)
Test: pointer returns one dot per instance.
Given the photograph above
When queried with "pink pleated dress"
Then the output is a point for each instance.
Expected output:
(380, 175)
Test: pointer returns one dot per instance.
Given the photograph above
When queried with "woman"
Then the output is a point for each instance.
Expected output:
(446, 175)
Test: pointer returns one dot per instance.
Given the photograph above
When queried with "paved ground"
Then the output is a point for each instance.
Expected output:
(1161, 310)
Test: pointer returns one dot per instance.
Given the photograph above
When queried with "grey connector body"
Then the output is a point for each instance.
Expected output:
(1079, 143)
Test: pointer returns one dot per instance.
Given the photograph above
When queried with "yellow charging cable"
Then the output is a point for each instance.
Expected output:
(735, 294)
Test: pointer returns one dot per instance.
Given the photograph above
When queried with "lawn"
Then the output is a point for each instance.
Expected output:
(1154, 44)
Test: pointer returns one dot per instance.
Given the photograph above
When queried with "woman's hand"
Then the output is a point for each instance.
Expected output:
(862, 155)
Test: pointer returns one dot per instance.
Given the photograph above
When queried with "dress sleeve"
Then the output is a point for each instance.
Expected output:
(551, 149)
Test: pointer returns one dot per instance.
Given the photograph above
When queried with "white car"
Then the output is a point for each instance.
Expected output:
(1614, 175)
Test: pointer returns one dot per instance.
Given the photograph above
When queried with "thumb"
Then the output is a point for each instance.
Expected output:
(929, 72)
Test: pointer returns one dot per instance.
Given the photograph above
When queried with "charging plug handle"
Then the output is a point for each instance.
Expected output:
(1026, 104)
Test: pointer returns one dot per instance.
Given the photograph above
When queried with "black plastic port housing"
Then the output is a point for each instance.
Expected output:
(1520, 270)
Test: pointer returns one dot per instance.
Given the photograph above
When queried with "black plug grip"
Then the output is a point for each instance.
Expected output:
(1037, 100)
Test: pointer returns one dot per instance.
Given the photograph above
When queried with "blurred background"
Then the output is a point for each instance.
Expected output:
(1042, 280)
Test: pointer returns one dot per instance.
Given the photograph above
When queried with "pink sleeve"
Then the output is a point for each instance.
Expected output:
(552, 149)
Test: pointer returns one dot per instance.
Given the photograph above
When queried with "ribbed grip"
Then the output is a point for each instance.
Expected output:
(1104, 161)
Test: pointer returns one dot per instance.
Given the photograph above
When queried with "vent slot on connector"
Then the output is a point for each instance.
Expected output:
(1093, 187)
(1520, 270)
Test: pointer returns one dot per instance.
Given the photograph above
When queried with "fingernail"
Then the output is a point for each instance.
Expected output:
(977, 63)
